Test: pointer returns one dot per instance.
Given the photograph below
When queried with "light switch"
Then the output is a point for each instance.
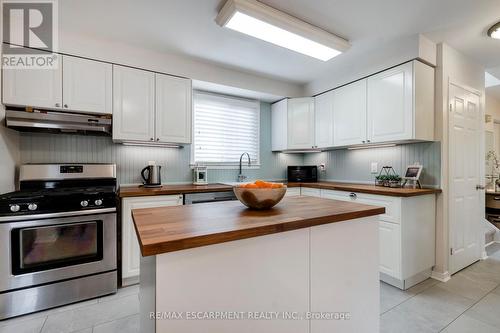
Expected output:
(374, 167)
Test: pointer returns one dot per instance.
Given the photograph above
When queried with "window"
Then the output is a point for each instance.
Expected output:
(224, 128)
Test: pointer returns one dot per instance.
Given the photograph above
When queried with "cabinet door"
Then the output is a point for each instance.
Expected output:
(87, 85)
(131, 253)
(349, 114)
(40, 88)
(323, 113)
(390, 104)
(134, 104)
(301, 123)
(390, 249)
(173, 109)
(279, 119)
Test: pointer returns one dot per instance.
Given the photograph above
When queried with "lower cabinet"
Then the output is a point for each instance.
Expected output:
(406, 234)
(131, 254)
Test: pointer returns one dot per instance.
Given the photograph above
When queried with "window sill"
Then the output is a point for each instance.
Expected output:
(228, 166)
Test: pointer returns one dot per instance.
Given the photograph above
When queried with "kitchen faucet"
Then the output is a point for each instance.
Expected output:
(242, 177)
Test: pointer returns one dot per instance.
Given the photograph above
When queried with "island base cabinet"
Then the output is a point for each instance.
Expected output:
(272, 283)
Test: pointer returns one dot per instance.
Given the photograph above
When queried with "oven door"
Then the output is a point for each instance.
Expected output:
(53, 249)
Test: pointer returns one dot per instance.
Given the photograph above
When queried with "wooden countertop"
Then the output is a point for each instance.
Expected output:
(371, 189)
(138, 191)
(168, 229)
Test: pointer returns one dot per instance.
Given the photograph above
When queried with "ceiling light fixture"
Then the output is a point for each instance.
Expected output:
(494, 31)
(271, 25)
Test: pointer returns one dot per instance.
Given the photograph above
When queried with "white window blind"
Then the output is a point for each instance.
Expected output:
(224, 128)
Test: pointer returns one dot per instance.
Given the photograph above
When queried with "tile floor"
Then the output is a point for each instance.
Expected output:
(469, 302)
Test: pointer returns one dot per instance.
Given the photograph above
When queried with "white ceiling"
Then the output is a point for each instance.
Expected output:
(187, 27)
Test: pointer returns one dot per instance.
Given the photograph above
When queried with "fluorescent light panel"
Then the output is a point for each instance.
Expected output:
(372, 146)
(261, 21)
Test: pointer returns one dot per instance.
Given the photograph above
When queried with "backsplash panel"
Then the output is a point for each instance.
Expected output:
(354, 165)
(61, 148)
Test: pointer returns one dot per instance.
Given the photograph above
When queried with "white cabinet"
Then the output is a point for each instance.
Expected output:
(406, 232)
(300, 123)
(293, 124)
(41, 88)
(87, 85)
(323, 113)
(131, 253)
(173, 109)
(349, 114)
(310, 192)
(134, 104)
(149, 107)
(78, 84)
(401, 104)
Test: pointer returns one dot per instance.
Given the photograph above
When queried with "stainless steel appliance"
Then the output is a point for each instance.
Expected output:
(57, 122)
(57, 237)
(151, 175)
(307, 173)
(197, 198)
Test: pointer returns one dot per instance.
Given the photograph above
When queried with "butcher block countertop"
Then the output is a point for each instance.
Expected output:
(371, 189)
(138, 191)
(168, 229)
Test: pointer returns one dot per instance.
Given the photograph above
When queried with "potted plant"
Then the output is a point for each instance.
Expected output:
(394, 181)
(380, 180)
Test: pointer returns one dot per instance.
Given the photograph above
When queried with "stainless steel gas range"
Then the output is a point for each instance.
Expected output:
(57, 237)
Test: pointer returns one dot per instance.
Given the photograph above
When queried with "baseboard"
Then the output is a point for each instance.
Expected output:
(443, 277)
(130, 281)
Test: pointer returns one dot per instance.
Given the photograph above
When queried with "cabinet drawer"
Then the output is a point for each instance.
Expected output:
(392, 205)
(310, 192)
(292, 191)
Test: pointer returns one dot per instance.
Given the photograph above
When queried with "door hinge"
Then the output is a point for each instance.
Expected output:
(451, 108)
(451, 251)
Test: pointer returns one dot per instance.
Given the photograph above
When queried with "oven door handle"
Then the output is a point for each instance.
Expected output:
(57, 215)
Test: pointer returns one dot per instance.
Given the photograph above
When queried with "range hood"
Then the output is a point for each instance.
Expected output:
(57, 122)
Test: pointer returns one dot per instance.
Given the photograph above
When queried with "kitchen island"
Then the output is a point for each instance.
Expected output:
(307, 265)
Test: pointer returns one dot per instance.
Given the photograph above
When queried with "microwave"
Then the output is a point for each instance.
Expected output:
(308, 173)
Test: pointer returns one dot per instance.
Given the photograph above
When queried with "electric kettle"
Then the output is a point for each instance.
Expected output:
(151, 175)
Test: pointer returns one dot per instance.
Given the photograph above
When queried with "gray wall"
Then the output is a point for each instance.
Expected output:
(354, 165)
(59, 148)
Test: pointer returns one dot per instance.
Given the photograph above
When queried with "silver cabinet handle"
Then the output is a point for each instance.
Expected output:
(152, 139)
(367, 140)
(353, 195)
(157, 139)
(57, 104)
(480, 187)
(65, 105)
(363, 141)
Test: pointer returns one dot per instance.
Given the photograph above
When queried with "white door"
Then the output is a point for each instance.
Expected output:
(279, 120)
(349, 114)
(390, 105)
(465, 209)
(301, 123)
(134, 104)
(40, 88)
(390, 249)
(87, 85)
(323, 113)
(131, 253)
(173, 109)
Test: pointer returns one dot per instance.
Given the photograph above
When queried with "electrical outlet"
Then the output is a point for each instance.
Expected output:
(374, 167)
(322, 167)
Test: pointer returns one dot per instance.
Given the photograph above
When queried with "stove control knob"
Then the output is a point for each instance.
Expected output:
(32, 206)
(84, 203)
(14, 208)
(98, 202)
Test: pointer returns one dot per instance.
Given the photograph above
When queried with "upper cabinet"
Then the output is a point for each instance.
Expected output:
(40, 88)
(78, 84)
(349, 114)
(396, 105)
(293, 124)
(301, 123)
(323, 114)
(173, 109)
(87, 85)
(151, 107)
(134, 104)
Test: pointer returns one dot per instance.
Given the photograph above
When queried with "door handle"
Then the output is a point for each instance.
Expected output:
(480, 187)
